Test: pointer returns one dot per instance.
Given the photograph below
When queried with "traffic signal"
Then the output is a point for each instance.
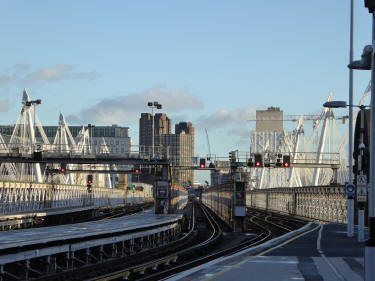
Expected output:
(89, 182)
(240, 195)
(136, 170)
(232, 156)
(286, 161)
(89, 179)
(62, 168)
(202, 163)
(258, 160)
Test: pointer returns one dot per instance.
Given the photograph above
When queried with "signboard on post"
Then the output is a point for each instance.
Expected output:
(350, 190)
(162, 189)
(361, 188)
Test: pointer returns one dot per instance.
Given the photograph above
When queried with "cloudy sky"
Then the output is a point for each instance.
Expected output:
(209, 62)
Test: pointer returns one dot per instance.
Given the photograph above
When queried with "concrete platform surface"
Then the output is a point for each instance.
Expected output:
(30, 236)
(323, 253)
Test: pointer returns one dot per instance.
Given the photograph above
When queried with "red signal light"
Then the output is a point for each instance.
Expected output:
(89, 179)
(286, 161)
(136, 171)
(257, 164)
(62, 170)
(202, 166)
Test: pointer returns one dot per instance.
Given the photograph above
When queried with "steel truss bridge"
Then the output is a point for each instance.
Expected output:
(24, 158)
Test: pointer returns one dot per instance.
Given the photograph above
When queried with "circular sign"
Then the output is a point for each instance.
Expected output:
(350, 189)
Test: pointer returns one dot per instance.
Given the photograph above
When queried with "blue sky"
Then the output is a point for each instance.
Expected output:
(214, 61)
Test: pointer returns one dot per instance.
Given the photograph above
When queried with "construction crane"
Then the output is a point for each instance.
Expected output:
(208, 145)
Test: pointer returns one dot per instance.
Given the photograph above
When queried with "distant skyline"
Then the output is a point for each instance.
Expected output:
(212, 63)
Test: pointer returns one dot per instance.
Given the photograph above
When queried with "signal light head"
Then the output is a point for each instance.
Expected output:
(202, 163)
(257, 164)
(89, 179)
(286, 161)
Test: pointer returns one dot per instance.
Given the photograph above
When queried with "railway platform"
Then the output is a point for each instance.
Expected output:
(27, 219)
(314, 253)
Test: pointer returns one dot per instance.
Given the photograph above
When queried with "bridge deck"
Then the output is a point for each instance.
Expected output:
(321, 254)
(33, 236)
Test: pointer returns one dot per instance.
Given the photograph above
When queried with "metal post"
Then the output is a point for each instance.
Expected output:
(153, 131)
(34, 144)
(370, 244)
(361, 207)
(350, 200)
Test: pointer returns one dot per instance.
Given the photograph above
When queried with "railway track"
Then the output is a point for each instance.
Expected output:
(263, 225)
(198, 245)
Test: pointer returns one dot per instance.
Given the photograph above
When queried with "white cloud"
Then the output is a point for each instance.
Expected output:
(25, 74)
(127, 108)
(92, 75)
(223, 118)
(49, 74)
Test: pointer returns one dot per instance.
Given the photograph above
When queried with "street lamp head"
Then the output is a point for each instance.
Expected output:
(365, 62)
(370, 4)
(156, 103)
(335, 104)
(158, 106)
(38, 101)
(149, 103)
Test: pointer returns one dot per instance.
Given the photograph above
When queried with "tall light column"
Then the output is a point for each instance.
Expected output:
(153, 105)
(370, 244)
(350, 199)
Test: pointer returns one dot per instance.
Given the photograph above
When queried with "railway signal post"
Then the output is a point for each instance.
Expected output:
(239, 196)
(162, 190)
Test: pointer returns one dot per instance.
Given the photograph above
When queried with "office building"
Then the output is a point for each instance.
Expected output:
(269, 130)
(180, 149)
(162, 125)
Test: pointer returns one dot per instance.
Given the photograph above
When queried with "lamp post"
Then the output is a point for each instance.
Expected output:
(367, 62)
(350, 201)
(153, 105)
(360, 161)
(370, 244)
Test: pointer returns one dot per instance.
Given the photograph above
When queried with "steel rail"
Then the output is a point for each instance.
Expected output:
(215, 234)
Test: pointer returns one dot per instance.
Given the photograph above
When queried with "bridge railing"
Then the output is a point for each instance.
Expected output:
(326, 203)
(31, 197)
(58, 150)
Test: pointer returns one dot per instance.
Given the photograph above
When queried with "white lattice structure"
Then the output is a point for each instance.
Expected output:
(24, 136)
(324, 142)
(23, 140)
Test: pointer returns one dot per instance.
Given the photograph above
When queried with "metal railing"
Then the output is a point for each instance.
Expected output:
(325, 203)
